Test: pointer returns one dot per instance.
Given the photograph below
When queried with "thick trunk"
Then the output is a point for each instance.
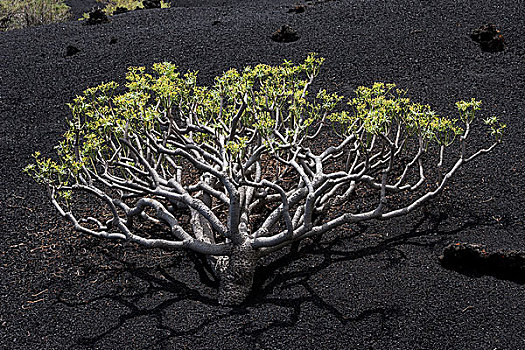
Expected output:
(236, 277)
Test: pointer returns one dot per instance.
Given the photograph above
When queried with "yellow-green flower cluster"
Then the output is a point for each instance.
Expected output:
(236, 148)
(110, 6)
(496, 128)
(379, 108)
(269, 104)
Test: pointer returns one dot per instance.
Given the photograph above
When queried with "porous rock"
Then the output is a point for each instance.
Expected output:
(475, 260)
(151, 4)
(97, 16)
(489, 38)
(285, 34)
(72, 50)
(297, 9)
(120, 10)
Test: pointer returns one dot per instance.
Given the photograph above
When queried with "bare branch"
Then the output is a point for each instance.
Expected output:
(243, 168)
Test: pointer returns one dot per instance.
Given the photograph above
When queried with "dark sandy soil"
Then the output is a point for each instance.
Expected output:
(377, 286)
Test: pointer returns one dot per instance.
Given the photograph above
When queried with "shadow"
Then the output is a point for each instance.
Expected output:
(285, 271)
(159, 281)
(269, 277)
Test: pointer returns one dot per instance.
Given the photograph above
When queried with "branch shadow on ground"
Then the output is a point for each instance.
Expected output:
(269, 277)
(158, 280)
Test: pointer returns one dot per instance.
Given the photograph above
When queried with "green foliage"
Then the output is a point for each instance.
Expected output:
(236, 148)
(267, 105)
(25, 13)
(381, 107)
(110, 6)
(496, 128)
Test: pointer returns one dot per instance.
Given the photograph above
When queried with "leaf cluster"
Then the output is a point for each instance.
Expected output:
(242, 110)
(381, 108)
(110, 6)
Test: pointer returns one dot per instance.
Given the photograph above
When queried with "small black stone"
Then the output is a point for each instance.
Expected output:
(97, 16)
(214, 23)
(71, 50)
(489, 38)
(151, 4)
(120, 10)
(297, 9)
(113, 41)
(285, 34)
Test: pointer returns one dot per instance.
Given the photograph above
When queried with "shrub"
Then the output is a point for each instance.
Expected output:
(110, 6)
(251, 164)
(25, 13)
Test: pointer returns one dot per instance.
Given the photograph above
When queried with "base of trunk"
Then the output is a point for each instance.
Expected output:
(236, 279)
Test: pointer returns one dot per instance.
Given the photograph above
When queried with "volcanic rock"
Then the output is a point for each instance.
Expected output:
(285, 34)
(120, 10)
(297, 9)
(71, 50)
(489, 38)
(475, 260)
(151, 4)
(97, 16)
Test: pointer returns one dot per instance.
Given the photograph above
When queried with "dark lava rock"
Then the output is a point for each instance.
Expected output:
(285, 34)
(113, 41)
(297, 9)
(120, 10)
(151, 4)
(214, 23)
(474, 260)
(489, 38)
(71, 50)
(97, 16)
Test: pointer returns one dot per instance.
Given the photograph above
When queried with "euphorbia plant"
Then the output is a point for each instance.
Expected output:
(250, 164)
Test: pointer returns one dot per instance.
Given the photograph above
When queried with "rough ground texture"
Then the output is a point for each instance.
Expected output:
(374, 286)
